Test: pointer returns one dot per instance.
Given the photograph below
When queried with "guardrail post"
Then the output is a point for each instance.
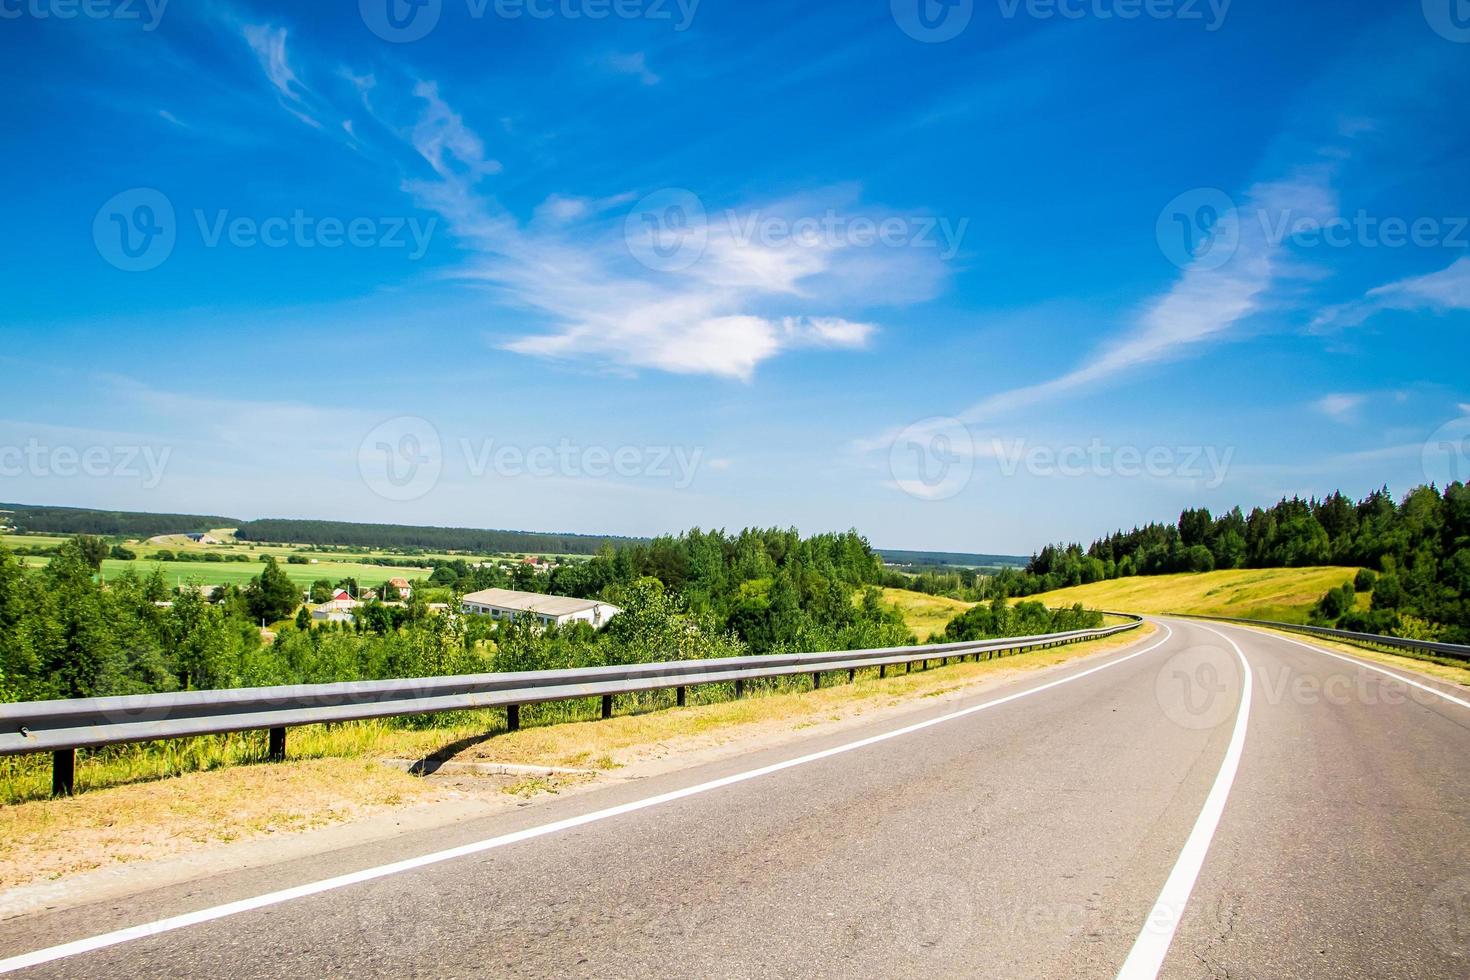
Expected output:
(63, 772)
(276, 752)
(681, 696)
(816, 680)
(512, 717)
(739, 687)
(882, 671)
(852, 675)
(606, 707)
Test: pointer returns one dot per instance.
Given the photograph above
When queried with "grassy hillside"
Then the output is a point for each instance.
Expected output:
(1284, 594)
(926, 615)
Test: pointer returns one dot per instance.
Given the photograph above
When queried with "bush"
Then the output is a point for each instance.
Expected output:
(1365, 581)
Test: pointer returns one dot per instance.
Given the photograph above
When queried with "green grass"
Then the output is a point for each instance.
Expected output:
(1281, 594)
(238, 573)
(926, 615)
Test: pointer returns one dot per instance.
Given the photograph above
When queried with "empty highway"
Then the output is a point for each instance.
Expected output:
(1209, 801)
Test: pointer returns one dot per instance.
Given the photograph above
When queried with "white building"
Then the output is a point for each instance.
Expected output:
(339, 609)
(547, 609)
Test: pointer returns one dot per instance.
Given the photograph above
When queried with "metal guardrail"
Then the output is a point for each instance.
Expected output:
(1454, 650)
(62, 727)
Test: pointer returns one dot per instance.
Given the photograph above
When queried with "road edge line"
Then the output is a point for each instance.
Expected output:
(133, 933)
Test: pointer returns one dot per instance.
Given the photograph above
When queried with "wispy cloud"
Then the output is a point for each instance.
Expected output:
(635, 64)
(269, 45)
(1438, 292)
(1340, 406)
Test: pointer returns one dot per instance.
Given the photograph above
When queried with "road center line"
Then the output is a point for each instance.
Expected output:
(1146, 958)
(172, 923)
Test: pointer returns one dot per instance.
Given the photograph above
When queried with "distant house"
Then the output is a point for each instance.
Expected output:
(546, 609)
(401, 584)
(341, 608)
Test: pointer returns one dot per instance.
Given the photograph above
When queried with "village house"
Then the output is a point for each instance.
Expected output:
(401, 584)
(546, 609)
(338, 609)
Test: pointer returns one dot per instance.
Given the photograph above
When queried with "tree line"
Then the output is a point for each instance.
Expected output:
(1416, 550)
(64, 633)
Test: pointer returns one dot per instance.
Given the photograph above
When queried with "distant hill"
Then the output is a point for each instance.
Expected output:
(392, 536)
(952, 559)
(110, 523)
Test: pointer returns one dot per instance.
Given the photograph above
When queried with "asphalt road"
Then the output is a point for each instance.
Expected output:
(1036, 837)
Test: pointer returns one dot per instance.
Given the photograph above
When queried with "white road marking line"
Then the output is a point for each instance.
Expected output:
(133, 933)
(1146, 958)
(1367, 666)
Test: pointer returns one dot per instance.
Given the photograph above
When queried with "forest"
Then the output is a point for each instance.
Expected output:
(1415, 552)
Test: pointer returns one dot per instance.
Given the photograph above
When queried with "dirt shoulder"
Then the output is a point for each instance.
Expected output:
(113, 842)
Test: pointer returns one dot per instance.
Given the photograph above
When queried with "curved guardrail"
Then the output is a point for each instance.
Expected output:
(1454, 650)
(62, 727)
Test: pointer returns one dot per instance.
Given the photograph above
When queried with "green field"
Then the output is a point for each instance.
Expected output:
(238, 573)
(1281, 594)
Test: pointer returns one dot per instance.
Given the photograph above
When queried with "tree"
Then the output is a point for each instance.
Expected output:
(271, 596)
(321, 590)
(92, 549)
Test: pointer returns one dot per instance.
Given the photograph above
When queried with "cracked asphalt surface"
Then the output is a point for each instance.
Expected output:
(1030, 839)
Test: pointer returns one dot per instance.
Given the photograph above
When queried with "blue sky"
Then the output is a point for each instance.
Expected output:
(974, 276)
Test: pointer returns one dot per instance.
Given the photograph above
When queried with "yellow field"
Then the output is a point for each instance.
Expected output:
(1282, 594)
(926, 615)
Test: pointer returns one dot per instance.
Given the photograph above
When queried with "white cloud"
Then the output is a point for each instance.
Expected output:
(725, 315)
(1339, 406)
(1439, 292)
(635, 64)
(269, 45)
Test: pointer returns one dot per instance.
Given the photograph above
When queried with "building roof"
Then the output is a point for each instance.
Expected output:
(398, 583)
(546, 605)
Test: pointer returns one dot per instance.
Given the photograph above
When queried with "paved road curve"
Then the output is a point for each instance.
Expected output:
(1117, 811)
